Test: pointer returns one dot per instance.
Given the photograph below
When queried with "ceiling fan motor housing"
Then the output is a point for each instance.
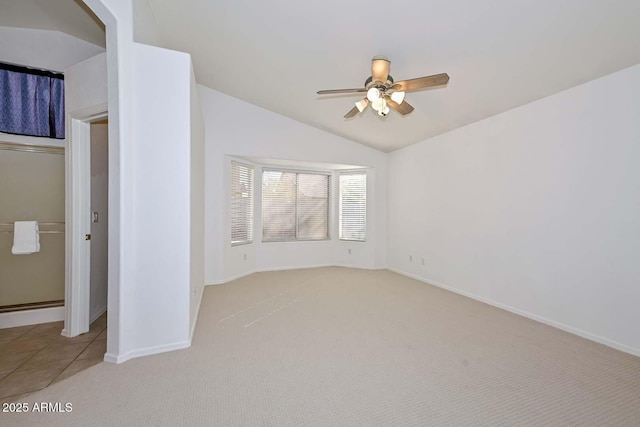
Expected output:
(370, 83)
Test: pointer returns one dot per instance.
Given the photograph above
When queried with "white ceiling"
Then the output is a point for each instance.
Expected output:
(50, 50)
(72, 17)
(276, 54)
(499, 54)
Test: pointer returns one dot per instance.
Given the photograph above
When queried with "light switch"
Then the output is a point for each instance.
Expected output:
(95, 217)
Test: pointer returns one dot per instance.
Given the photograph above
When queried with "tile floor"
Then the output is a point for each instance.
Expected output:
(33, 357)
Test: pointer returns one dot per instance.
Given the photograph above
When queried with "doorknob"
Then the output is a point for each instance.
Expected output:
(87, 237)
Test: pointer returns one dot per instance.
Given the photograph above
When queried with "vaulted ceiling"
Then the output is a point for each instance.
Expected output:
(276, 54)
(500, 54)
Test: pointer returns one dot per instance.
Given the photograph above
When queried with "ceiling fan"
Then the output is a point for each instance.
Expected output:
(383, 93)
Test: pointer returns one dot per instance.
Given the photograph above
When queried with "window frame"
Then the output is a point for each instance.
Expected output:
(328, 174)
(251, 208)
(363, 172)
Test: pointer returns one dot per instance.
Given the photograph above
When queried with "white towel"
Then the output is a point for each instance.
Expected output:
(26, 238)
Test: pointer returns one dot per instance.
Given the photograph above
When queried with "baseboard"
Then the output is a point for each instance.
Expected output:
(110, 358)
(148, 351)
(247, 273)
(298, 267)
(98, 314)
(229, 279)
(558, 325)
(360, 267)
(31, 317)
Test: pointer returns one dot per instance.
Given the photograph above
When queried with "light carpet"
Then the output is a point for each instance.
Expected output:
(345, 347)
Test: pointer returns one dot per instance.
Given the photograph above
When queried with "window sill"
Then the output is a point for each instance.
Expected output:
(297, 240)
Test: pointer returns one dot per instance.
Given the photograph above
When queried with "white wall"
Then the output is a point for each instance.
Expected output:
(149, 190)
(197, 201)
(535, 210)
(86, 85)
(236, 128)
(144, 25)
(156, 303)
(117, 16)
(100, 229)
(51, 50)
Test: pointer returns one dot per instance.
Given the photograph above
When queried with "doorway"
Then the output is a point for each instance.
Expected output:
(87, 213)
(99, 141)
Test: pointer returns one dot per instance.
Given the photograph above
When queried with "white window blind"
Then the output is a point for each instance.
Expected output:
(353, 206)
(295, 206)
(313, 206)
(241, 204)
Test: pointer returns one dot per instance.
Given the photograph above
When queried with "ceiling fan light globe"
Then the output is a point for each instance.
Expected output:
(385, 110)
(373, 94)
(378, 104)
(397, 97)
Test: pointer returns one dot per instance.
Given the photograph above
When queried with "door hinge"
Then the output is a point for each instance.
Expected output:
(87, 237)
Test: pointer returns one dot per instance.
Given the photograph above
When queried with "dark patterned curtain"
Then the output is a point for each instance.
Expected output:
(31, 102)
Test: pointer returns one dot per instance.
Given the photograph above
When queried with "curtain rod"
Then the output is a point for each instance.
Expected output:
(34, 71)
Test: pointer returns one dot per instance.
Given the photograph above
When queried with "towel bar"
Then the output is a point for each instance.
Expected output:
(39, 232)
(39, 223)
(10, 224)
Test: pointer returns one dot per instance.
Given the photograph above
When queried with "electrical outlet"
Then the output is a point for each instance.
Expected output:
(245, 257)
(349, 251)
(410, 258)
(422, 261)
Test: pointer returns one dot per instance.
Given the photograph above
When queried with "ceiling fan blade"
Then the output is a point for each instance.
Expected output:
(333, 91)
(403, 108)
(421, 82)
(351, 113)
